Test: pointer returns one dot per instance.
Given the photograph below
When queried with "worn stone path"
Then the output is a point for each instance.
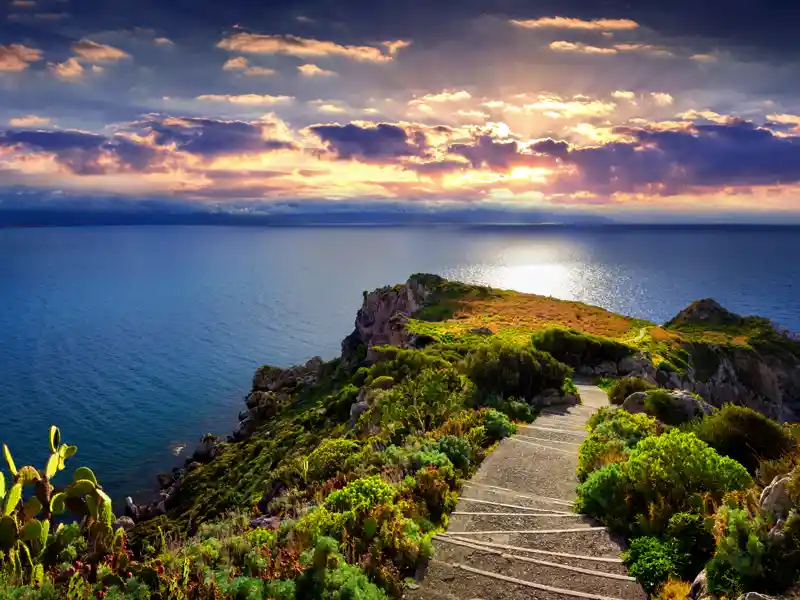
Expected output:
(514, 536)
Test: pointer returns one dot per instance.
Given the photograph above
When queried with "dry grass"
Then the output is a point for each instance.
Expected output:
(674, 589)
(529, 313)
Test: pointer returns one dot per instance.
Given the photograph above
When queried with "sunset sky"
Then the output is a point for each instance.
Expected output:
(599, 107)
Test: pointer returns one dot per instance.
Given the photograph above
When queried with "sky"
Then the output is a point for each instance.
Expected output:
(598, 107)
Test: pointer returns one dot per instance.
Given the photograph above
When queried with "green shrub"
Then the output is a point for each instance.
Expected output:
(516, 410)
(457, 449)
(431, 458)
(595, 453)
(604, 495)
(668, 473)
(331, 578)
(361, 494)
(627, 386)
(329, 457)
(744, 435)
(613, 433)
(498, 426)
(576, 348)
(651, 562)
(690, 535)
(279, 590)
(513, 371)
(663, 476)
(421, 403)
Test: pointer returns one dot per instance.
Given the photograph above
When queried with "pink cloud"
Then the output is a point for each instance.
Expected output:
(17, 57)
(254, 43)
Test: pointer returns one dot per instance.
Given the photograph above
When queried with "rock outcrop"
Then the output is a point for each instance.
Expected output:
(383, 315)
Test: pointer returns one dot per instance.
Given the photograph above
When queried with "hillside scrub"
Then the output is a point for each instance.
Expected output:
(685, 505)
(576, 348)
(744, 435)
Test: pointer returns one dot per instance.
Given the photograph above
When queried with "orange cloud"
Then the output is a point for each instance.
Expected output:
(567, 23)
(254, 43)
(562, 46)
(662, 98)
(442, 97)
(309, 70)
(253, 99)
(162, 41)
(17, 57)
(578, 106)
(624, 95)
(69, 70)
(29, 121)
(240, 63)
(93, 52)
(396, 45)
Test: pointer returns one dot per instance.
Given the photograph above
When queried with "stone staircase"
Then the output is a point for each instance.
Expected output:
(514, 535)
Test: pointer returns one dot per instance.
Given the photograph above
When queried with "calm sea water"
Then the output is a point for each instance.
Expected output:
(136, 341)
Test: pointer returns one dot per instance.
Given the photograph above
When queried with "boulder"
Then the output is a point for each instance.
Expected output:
(554, 397)
(207, 449)
(681, 400)
(635, 364)
(775, 498)
(606, 369)
(699, 588)
(756, 596)
(481, 331)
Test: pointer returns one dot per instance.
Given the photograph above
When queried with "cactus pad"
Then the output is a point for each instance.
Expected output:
(32, 531)
(84, 473)
(57, 503)
(12, 499)
(55, 438)
(8, 533)
(28, 475)
(11, 466)
(80, 488)
(52, 465)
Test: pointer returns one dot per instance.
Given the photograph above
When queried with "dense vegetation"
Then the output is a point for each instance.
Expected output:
(314, 504)
(318, 501)
(686, 499)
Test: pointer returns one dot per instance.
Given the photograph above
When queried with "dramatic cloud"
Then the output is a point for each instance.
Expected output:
(442, 97)
(567, 23)
(17, 57)
(578, 106)
(396, 45)
(70, 69)
(93, 52)
(253, 43)
(310, 70)
(212, 137)
(241, 64)
(378, 143)
(29, 121)
(251, 99)
(578, 47)
(562, 46)
(624, 95)
(662, 98)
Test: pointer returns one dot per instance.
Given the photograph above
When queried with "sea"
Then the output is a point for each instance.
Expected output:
(136, 341)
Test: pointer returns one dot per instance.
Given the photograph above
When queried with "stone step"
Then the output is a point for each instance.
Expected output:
(569, 446)
(490, 493)
(612, 565)
(473, 504)
(545, 572)
(553, 433)
(594, 541)
(576, 424)
(475, 521)
(530, 468)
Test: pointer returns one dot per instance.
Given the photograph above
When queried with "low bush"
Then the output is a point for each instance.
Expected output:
(691, 536)
(457, 449)
(674, 589)
(498, 426)
(361, 494)
(627, 386)
(663, 476)
(513, 371)
(329, 577)
(744, 435)
(613, 434)
(516, 410)
(651, 561)
(329, 457)
(576, 348)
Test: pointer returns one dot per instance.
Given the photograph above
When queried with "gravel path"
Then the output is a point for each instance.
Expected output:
(513, 537)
